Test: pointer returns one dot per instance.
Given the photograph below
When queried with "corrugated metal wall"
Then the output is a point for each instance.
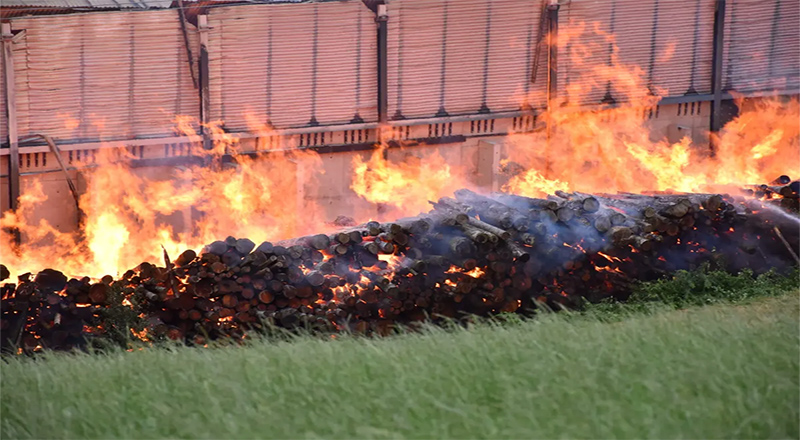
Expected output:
(461, 57)
(514, 31)
(671, 42)
(762, 45)
(19, 49)
(120, 75)
(293, 65)
(103, 76)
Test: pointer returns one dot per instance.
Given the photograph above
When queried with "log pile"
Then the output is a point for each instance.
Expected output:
(471, 254)
(782, 192)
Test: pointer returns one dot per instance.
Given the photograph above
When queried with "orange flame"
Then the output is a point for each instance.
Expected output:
(406, 185)
(129, 213)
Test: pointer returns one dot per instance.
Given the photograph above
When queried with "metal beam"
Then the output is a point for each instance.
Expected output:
(11, 112)
(552, 76)
(552, 56)
(382, 17)
(205, 95)
(716, 67)
(182, 17)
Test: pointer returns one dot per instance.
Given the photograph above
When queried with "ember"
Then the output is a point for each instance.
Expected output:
(471, 254)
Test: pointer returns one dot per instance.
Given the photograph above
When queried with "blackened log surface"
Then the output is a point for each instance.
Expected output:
(475, 254)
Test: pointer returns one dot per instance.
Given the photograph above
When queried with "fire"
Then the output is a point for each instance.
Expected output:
(128, 213)
(406, 185)
(475, 273)
(608, 269)
(608, 257)
(142, 335)
(611, 150)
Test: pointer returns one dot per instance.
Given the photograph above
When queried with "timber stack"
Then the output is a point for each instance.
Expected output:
(781, 192)
(471, 254)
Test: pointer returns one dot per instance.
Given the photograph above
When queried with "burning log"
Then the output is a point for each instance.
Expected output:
(472, 254)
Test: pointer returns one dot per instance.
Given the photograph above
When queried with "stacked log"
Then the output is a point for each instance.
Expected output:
(781, 192)
(471, 254)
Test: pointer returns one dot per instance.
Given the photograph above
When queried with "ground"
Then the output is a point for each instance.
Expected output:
(721, 371)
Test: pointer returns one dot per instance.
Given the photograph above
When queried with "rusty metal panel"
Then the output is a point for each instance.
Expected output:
(763, 46)
(105, 76)
(292, 65)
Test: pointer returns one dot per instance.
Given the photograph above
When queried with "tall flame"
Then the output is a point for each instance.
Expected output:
(129, 213)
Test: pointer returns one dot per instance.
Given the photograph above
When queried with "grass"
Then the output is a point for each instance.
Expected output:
(722, 371)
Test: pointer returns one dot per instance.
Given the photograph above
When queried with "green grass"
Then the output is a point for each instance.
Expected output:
(722, 371)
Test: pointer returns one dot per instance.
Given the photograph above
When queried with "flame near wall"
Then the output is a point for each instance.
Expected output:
(603, 150)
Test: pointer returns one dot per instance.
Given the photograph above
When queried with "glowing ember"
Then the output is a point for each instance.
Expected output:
(141, 335)
(608, 257)
(475, 273)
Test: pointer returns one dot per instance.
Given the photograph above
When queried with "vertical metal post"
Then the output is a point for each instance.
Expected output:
(716, 69)
(11, 112)
(552, 55)
(182, 17)
(552, 74)
(382, 17)
(205, 97)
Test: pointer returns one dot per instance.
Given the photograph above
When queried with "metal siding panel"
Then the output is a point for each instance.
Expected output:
(415, 57)
(162, 83)
(684, 47)
(238, 79)
(465, 52)
(22, 84)
(262, 68)
(3, 112)
(367, 103)
(340, 44)
(54, 76)
(416, 38)
(673, 61)
(587, 49)
(633, 36)
(764, 46)
(785, 71)
(395, 49)
(91, 4)
(107, 76)
(292, 75)
(513, 38)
